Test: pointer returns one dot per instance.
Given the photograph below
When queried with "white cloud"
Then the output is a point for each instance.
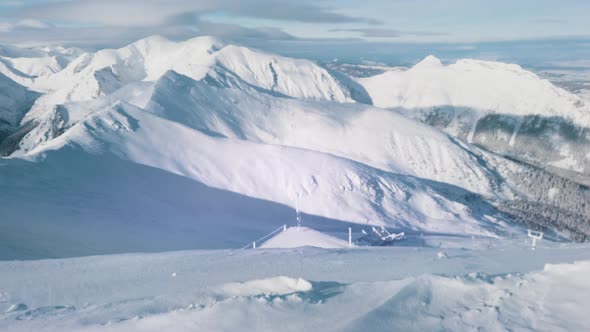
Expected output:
(26, 24)
(6, 27)
(160, 12)
(93, 21)
(35, 33)
(32, 24)
(388, 33)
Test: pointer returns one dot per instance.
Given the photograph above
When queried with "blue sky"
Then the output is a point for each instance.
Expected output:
(275, 23)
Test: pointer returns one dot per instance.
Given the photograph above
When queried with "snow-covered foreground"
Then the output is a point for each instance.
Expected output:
(507, 286)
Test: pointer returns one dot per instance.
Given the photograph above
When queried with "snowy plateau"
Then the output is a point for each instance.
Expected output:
(130, 178)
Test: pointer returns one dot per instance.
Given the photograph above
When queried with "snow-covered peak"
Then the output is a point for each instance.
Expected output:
(208, 42)
(155, 41)
(160, 54)
(429, 61)
(292, 77)
(481, 86)
(502, 107)
(150, 58)
(159, 43)
(24, 64)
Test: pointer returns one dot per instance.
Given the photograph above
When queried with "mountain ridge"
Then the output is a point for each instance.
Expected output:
(288, 132)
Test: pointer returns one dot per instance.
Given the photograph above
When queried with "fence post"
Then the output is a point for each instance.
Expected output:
(350, 237)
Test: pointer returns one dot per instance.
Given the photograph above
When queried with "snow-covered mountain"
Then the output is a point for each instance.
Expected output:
(124, 170)
(24, 65)
(499, 106)
(320, 183)
(304, 289)
(208, 140)
(93, 75)
(485, 86)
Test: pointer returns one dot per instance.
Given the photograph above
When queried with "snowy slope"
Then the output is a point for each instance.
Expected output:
(296, 237)
(381, 139)
(126, 180)
(501, 107)
(502, 287)
(327, 186)
(185, 144)
(72, 203)
(15, 75)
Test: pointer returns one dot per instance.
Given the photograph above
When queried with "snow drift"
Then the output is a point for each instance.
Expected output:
(502, 288)
(296, 237)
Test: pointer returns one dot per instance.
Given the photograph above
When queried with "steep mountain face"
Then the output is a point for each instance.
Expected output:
(15, 101)
(73, 203)
(498, 106)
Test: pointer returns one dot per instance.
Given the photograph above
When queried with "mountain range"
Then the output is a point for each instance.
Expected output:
(164, 145)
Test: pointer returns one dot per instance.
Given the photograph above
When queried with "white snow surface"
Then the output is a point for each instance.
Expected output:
(296, 237)
(271, 286)
(482, 86)
(504, 286)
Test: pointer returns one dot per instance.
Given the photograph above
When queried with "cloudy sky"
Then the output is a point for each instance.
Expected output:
(115, 22)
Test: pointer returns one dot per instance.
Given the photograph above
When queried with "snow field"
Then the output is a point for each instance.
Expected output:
(501, 288)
